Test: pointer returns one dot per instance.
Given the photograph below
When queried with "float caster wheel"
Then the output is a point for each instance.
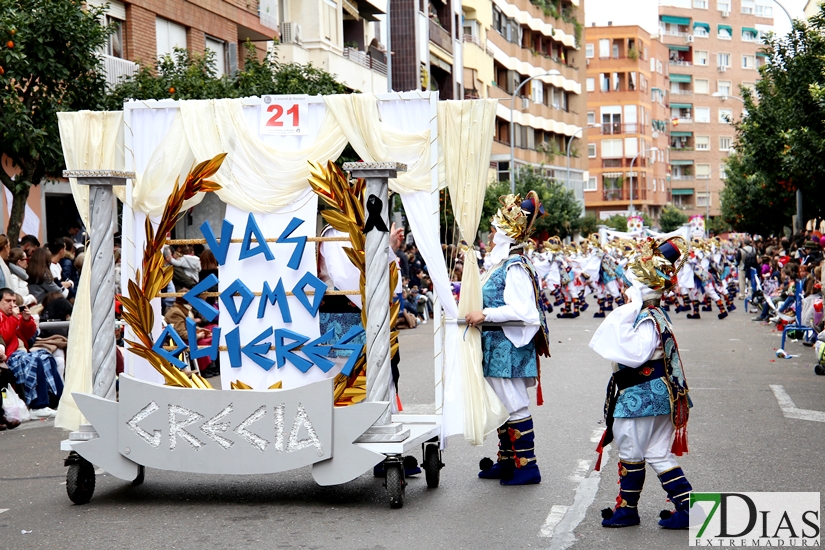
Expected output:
(819, 369)
(395, 483)
(80, 479)
(432, 465)
(140, 476)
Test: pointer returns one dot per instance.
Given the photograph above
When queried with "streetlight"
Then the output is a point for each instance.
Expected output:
(725, 96)
(551, 72)
(569, 142)
(633, 160)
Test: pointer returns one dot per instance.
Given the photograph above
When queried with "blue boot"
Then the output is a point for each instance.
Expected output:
(504, 465)
(522, 438)
(631, 481)
(678, 492)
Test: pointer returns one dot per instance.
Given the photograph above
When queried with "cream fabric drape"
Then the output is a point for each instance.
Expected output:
(466, 132)
(90, 140)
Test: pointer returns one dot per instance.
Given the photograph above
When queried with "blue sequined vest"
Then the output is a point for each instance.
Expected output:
(501, 358)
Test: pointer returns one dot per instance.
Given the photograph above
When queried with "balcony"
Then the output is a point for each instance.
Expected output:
(615, 128)
(116, 69)
(623, 194)
(361, 58)
(471, 39)
(641, 162)
(680, 62)
(440, 37)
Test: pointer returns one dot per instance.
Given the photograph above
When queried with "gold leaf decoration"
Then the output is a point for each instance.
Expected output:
(346, 200)
(154, 276)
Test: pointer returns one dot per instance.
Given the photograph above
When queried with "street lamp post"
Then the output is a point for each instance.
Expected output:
(552, 72)
(632, 161)
(569, 142)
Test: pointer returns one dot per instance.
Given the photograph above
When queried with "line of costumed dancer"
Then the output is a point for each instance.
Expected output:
(568, 273)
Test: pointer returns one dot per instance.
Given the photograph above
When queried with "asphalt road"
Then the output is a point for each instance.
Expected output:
(739, 441)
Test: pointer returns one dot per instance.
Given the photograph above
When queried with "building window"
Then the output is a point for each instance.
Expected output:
(591, 85)
(764, 11)
(590, 184)
(725, 116)
(703, 199)
(169, 36)
(723, 171)
(588, 51)
(604, 82)
(591, 117)
(702, 143)
(723, 6)
(503, 171)
(654, 184)
(331, 21)
(701, 32)
(591, 150)
(702, 171)
(723, 33)
(611, 148)
(702, 114)
(700, 86)
(700, 4)
(723, 59)
(217, 47)
(748, 85)
(700, 58)
(725, 143)
(748, 35)
(747, 6)
(723, 87)
(604, 48)
(748, 61)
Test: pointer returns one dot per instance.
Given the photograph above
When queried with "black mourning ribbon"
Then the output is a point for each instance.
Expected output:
(374, 219)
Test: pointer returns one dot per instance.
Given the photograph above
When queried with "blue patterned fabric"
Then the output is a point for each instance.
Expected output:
(501, 358)
(649, 399)
(340, 323)
(37, 373)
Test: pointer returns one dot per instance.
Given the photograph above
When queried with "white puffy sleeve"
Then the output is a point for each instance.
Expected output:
(519, 305)
(616, 339)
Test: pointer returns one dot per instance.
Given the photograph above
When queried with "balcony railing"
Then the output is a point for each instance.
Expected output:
(641, 162)
(441, 37)
(623, 194)
(614, 128)
(680, 62)
(365, 60)
(681, 177)
(681, 92)
(116, 69)
(469, 38)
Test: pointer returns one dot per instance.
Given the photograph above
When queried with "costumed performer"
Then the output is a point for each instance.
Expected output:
(510, 291)
(647, 399)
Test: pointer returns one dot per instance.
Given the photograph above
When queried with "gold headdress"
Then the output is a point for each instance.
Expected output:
(515, 217)
(658, 262)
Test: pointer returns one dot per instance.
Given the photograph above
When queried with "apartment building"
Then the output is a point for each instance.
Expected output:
(714, 49)
(332, 34)
(506, 42)
(627, 117)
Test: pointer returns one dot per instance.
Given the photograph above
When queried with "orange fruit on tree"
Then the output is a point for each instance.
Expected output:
(9, 44)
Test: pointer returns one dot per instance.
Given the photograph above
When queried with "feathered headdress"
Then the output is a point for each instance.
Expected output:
(516, 217)
(658, 262)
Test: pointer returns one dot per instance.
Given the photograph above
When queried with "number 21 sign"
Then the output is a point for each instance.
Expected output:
(284, 115)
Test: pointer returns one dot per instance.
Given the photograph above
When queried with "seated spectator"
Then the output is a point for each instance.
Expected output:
(176, 316)
(55, 308)
(209, 266)
(17, 263)
(187, 266)
(29, 244)
(41, 281)
(36, 372)
(5, 274)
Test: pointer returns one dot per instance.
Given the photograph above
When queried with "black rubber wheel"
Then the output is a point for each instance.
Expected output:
(80, 481)
(395, 484)
(140, 476)
(819, 369)
(432, 465)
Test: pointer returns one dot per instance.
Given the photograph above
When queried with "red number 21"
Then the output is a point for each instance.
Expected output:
(280, 111)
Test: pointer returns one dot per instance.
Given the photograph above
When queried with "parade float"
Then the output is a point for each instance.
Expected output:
(292, 395)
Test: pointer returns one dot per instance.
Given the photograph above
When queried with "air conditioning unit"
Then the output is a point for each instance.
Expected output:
(587, 62)
(725, 14)
(689, 39)
(525, 103)
(290, 33)
(722, 69)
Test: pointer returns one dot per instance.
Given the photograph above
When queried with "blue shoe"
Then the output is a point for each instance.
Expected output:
(631, 481)
(522, 441)
(678, 492)
(526, 475)
(723, 315)
(504, 465)
(674, 519)
(621, 517)
(599, 314)
(731, 307)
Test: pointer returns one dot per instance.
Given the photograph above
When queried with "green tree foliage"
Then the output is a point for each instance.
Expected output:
(48, 63)
(671, 219)
(781, 141)
(616, 222)
(194, 76)
(588, 225)
(563, 213)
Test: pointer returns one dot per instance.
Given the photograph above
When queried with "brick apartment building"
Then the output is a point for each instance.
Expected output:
(714, 50)
(627, 118)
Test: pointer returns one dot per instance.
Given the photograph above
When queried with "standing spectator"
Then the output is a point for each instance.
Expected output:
(747, 260)
(68, 270)
(5, 274)
(209, 266)
(41, 281)
(118, 290)
(78, 235)
(58, 250)
(29, 244)
(188, 266)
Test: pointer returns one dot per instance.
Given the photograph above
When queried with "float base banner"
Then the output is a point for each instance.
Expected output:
(754, 519)
(220, 432)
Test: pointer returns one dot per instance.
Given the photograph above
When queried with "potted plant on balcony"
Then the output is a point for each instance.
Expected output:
(633, 54)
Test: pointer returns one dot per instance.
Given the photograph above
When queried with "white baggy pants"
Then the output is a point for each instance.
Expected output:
(648, 438)
(513, 394)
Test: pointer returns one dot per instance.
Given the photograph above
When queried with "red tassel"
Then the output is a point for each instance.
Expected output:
(539, 395)
(398, 402)
(600, 450)
(680, 443)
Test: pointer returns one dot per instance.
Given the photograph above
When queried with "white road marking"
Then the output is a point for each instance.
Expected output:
(789, 408)
(556, 515)
(581, 470)
(597, 435)
(3, 510)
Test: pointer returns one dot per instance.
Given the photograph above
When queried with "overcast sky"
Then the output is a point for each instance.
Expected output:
(645, 13)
